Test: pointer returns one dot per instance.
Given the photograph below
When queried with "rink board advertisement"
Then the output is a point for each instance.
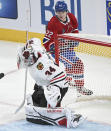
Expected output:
(8, 9)
(34, 16)
(50, 8)
(108, 9)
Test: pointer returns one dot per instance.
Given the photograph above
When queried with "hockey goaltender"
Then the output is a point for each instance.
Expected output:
(43, 106)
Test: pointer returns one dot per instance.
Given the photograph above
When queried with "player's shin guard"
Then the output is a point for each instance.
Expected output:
(79, 85)
(76, 73)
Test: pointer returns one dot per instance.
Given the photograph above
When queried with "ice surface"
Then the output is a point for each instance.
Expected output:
(26, 126)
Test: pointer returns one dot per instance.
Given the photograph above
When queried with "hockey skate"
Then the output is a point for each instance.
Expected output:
(74, 120)
(84, 91)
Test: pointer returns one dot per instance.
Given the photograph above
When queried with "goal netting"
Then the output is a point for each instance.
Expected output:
(95, 53)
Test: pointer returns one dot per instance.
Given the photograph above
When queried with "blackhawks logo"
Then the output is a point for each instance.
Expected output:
(40, 66)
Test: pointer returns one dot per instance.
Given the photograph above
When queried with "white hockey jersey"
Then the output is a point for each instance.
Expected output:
(46, 72)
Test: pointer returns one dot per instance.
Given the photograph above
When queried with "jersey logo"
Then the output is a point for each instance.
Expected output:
(40, 66)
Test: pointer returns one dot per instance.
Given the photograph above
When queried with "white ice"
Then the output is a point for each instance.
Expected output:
(12, 87)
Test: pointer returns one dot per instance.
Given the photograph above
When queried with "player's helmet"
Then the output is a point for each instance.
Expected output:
(60, 6)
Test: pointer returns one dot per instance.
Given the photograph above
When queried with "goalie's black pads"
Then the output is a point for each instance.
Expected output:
(36, 87)
(38, 97)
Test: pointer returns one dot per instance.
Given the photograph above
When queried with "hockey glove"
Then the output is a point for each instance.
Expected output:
(52, 95)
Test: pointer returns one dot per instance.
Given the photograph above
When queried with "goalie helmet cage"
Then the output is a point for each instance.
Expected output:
(95, 52)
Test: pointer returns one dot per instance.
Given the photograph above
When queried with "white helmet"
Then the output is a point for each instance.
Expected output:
(37, 46)
(36, 43)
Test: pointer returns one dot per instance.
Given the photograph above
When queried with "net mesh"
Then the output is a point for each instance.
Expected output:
(88, 64)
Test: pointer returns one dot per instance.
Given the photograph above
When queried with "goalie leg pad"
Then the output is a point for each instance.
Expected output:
(56, 116)
(46, 116)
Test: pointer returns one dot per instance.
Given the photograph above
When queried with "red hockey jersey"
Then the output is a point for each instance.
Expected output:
(55, 26)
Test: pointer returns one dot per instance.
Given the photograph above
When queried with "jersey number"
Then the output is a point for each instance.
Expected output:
(50, 71)
(49, 34)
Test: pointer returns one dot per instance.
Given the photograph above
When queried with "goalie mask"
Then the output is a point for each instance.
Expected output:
(29, 54)
(29, 57)
(34, 51)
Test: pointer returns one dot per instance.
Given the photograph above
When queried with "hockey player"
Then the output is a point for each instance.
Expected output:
(43, 106)
(65, 22)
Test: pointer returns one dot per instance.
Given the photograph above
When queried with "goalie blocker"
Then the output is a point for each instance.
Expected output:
(50, 88)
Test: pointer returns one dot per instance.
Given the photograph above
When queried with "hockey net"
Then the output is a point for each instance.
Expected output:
(95, 53)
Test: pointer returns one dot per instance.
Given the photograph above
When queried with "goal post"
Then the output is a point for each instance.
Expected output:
(95, 52)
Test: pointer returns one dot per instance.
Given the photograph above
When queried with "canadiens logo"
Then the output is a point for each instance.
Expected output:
(40, 66)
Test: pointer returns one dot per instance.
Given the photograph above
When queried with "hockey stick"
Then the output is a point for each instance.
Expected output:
(8, 73)
(25, 87)
(26, 71)
(23, 102)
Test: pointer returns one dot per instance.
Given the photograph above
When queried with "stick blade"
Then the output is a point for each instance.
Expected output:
(18, 109)
(1, 75)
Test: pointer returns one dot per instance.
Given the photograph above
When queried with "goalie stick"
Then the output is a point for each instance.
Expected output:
(23, 102)
(5, 74)
(25, 87)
